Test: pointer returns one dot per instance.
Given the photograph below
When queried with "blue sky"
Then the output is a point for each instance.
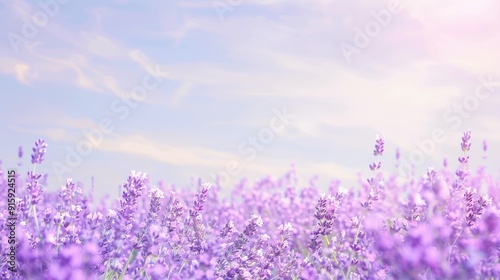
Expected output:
(214, 73)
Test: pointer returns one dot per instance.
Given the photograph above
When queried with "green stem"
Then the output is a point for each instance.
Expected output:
(325, 238)
(106, 275)
(36, 219)
(146, 263)
(356, 236)
(296, 277)
(132, 256)
(58, 232)
(359, 226)
(275, 277)
(453, 244)
(169, 272)
(180, 270)
(333, 252)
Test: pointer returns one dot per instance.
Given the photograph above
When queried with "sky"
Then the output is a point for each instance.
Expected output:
(189, 89)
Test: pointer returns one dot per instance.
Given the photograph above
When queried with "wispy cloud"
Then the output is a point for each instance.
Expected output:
(164, 151)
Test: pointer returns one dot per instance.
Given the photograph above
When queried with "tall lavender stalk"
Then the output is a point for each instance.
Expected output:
(128, 207)
(373, 195)
(460, 183)
(128, 204)
(69, 212)
(198, 239)
(34, 188)
(154, 208)
(106, 243)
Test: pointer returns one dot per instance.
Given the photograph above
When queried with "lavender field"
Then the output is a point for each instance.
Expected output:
(435, 226)
(250, 139)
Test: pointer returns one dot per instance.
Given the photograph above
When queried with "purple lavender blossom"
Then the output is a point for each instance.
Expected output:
(198, 242)
(154, 209)
(133, 190)
(173, 214)
(94, 219)
(226, 232)
(275, 251)
(379, 146)
(378, 151)
(34, 188)
(227, 264)
(106, 244)
(20, 152)
(474, 207)
(466, 141)
(326, 213)
(39, 150)
(462, 173)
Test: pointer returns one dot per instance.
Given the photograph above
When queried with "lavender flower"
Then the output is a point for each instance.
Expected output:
(466, 141)
(474, 208)
(94, 219)
(20, 152)
(226, 232)
(173, 214)
(34, 188)
(464, 160)
(68, 228)
(133, 190)
(20, 155)
(70, 192)
(228, 263)
(198, 241)
(378, 151)
(154, 208)
(276, 250)
(254, 222)
(326, 213)
(106, 243)
(39, 152)
(379, 146)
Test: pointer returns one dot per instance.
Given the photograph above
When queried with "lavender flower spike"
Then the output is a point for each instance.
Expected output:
(379, 146)
(154, 209)
(133, 190)
(39, 150)
(474, 208)
(466, 141)
(201, 197)
(198, 239)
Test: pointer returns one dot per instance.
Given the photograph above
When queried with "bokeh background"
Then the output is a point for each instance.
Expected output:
(217, 72)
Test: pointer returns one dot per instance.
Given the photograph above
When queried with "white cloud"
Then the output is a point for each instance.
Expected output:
(22, 72)
(164, 151)
(103, 46)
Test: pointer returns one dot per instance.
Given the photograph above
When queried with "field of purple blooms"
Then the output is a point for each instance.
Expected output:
(436, 226)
